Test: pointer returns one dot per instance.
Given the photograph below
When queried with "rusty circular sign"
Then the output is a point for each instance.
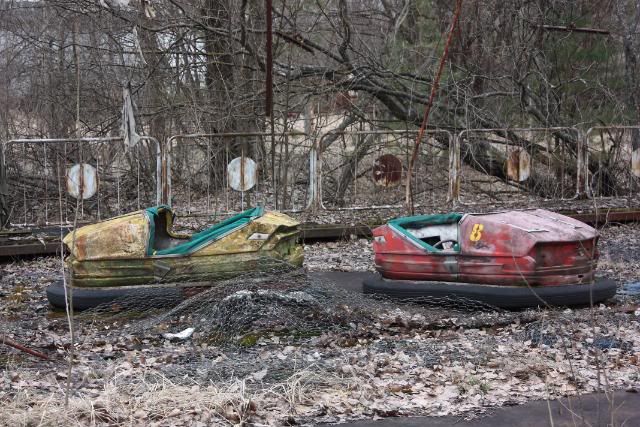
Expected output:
(242, 173)
(387, 170)
(518, 164)
(82, 180)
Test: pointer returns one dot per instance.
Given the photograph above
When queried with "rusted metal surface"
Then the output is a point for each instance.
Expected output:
(30, 242)
(11, 343)
(311, 232)
(125, 236)
(387, 170)
(82, 181)
(557, 175)
(603, 217)
(535, 247)
(363, 192)
(242, 173)
(43, 173)
(39, 241)
(195, 193)
(518, 164)
(114, 252)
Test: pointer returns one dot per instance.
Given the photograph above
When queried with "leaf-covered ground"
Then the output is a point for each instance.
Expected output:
(395, 360)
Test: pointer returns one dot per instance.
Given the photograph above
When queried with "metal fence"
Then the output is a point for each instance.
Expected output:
(49, 181)
(368, 169)
(227, 172)
(519, 165)
(613, 159)
(53, 181)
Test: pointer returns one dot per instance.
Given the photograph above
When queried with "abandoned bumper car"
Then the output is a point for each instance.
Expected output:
(510, 259)
(138, 253)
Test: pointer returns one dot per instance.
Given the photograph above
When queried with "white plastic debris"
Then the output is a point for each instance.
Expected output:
(183, 335)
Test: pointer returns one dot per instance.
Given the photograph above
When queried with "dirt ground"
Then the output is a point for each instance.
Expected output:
(380, 359)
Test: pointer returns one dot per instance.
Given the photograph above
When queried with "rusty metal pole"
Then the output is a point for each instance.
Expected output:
(454, 170)
(269, 96)
(427, 110)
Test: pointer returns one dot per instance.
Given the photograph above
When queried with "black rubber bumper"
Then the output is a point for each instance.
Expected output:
(85, 298)
(509, 297)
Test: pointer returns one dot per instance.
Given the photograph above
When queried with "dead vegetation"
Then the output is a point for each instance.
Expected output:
(376, 358)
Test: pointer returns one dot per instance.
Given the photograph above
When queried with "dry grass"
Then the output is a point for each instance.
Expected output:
(156, 400)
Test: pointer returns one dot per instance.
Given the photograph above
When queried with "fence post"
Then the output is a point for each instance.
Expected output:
(315, 172)
(582, 166)
(453, 195)
(315, 163)
(165, 172)
(4, 190)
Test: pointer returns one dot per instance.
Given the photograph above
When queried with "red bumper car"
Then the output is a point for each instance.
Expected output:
(509, 259)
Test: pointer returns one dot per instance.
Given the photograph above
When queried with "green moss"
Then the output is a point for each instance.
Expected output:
(249, 340)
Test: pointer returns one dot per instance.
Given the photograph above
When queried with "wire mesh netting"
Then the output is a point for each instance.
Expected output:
(44, 178)
(308, 345)
(288, 302)
(361, 167)
(519, 164)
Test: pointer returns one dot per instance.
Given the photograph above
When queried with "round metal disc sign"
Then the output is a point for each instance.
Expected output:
(242, 173)
(387, 170)
(82, 181)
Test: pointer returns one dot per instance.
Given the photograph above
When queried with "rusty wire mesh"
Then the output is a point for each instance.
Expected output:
(614, 163)
(518, 165)
(40, 185)
(368, 169)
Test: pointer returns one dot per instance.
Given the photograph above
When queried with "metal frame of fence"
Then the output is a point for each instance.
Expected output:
(456, 170)
(411, 134)
(168, 161)
(83, 151)
(633, 164)
(313, 199)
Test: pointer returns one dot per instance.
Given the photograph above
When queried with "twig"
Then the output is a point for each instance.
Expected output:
(434, 89)
(574, 29)
(12, 343)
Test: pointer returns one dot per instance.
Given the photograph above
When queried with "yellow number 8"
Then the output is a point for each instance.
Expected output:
(476, 232)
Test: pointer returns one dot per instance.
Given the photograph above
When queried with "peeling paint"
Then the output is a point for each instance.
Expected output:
(113, 253)
(533, 247)
(82, 181)
(242, 173)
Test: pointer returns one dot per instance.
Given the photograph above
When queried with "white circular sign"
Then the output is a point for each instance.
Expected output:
(82, 179)
(241, 174)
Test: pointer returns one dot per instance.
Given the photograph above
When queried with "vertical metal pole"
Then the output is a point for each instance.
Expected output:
(98, 185)
(24, 187)
(46, 187)
(454, 169)
(242, 178)
(580, 177)
(315, 169)
(268, 108)
(208, 176)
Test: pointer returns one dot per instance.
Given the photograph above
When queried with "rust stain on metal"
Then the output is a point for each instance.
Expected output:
(82, 181)
(121, 237)
(533, 247)
(115, 252)
(387, 170)
(635, 162)
(242, 173)
(518, 165)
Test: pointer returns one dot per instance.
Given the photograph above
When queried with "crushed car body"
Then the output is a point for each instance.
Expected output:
(507, 259)
(140, 249)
